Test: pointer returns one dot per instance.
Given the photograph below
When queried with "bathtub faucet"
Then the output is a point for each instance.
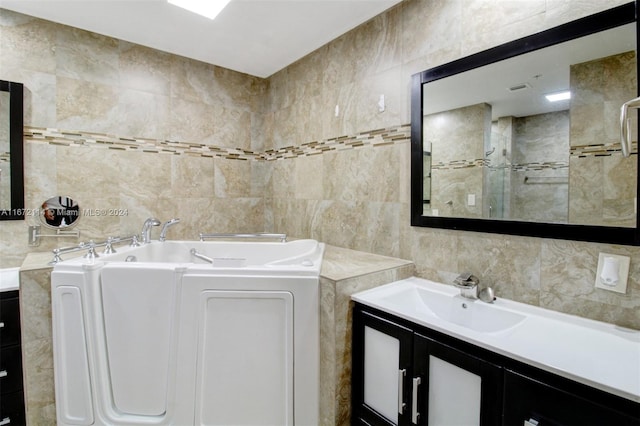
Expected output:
(165, 227)
(146, 229)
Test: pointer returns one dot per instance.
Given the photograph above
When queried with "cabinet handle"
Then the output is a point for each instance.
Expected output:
(414, 401)
(3, 373)
(401, 404)
(5, 421)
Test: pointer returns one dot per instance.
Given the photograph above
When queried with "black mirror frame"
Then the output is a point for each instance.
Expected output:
(16, 123)
(608, 19)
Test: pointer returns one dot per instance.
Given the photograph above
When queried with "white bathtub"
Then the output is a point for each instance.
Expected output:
(170, 339)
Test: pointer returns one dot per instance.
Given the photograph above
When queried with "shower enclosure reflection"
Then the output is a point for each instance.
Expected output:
(494, 148)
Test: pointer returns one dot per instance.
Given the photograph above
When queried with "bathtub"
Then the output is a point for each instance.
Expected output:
(154, 335)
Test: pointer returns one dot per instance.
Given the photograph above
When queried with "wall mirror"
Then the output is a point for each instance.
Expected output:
(60, 212)
(11, 151)
(490, 152)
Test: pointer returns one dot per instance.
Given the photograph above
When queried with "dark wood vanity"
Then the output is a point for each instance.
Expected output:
(511, 393)
(11, 382)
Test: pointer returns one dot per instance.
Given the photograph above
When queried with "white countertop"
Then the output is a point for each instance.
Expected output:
(595, 353)
(9, 279)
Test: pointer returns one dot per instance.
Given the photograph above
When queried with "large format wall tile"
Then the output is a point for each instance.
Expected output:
(353, 194)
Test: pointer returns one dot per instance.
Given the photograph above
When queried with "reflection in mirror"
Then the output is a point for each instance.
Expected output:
(501, 150)
(60, 212)
(11, 151)
(493, 146)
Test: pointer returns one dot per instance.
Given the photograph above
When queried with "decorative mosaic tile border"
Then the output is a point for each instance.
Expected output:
(600, 150)
(462, 164)
(582, 151)
(547, 165)
(374, 138)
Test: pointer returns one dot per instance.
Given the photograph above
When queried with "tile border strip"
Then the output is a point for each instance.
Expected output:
(373, 138)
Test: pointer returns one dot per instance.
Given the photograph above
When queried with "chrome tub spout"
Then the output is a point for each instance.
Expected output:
(165, 227)
(146, 229)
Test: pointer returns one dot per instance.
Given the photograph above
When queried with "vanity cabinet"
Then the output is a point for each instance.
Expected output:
(11, 383)
(541, 402)
(406, 374)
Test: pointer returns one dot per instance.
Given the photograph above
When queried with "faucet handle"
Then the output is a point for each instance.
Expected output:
(466, 279)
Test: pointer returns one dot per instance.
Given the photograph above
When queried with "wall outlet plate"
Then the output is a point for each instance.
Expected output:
(622, 263)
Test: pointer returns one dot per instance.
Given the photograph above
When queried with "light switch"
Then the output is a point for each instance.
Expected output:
(612, 273)
(471, 199)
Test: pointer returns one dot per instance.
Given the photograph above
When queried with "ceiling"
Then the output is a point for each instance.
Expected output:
(542, 71)
(256, 37)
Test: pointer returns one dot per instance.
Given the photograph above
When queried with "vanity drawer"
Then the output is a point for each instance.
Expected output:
(533, 401)
(9, 321)
(12, 409)
(10, 370)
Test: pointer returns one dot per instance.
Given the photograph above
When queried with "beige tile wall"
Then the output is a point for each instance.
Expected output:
(603, 186)
(78, 81)
(356, 198)
(379, 58)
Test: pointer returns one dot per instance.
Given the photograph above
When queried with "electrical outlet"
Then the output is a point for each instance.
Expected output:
(612, 273)
(471, 200)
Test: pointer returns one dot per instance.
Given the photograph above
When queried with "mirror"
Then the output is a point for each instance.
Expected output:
(59, 212)
(11, 151)
(491, 154)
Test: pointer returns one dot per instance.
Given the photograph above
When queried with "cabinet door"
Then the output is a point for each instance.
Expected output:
(9, 319)
(382, 352)
(452, 387)
(531, 401)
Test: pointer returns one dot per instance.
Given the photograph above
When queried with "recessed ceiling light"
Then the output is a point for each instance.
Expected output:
(208, 8)
(558, 96)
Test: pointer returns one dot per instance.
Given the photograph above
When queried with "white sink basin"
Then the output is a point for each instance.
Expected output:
(595, 353)
(451, 307)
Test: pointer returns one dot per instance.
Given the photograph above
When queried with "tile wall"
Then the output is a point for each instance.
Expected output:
(353, 195)
(360, 199)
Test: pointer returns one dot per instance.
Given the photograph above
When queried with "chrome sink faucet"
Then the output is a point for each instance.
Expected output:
(468, 285)
(146, 229)
(165, 227)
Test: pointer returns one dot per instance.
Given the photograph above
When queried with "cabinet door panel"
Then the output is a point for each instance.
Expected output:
(526, 399)
(383, 352)
(382, 378)
(450, 389)
(459, 388)
(9, 321)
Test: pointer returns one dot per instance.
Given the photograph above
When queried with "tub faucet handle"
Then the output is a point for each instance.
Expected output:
(91, 253)
(108, 248)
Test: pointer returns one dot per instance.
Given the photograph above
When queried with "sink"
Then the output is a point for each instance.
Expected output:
(453, 308)
(562, 344)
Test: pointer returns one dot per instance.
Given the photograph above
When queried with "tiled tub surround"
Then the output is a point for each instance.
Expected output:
(343, 273)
